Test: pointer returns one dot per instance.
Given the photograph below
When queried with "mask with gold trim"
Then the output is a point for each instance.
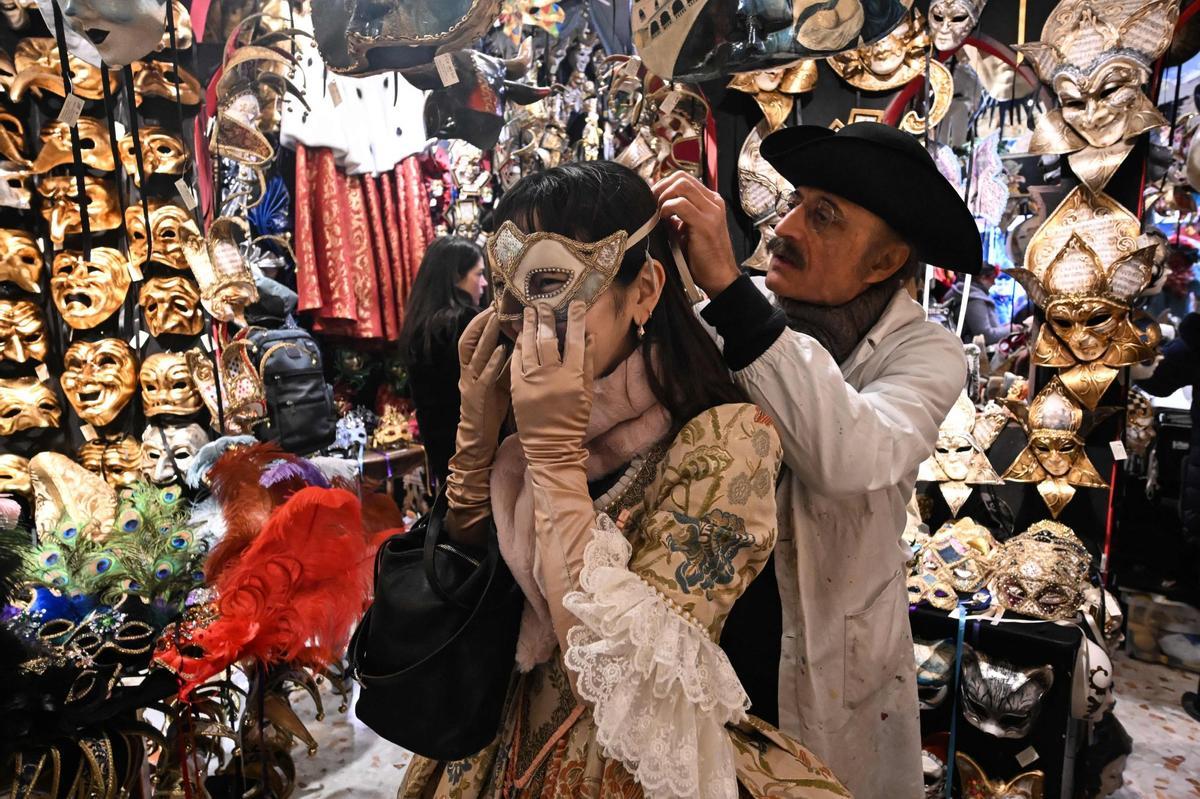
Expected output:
(951, 21)
(1028, 785)
(159, 78)
(12, 139)
(172, 228)
(775, 90)
(167, 386)
(171, 305)
(38, 67)
(99, 378)
(1043, 572)
(20, 260)
(890, 62)
(14, 476)
(760, 186)
(22, 331)
(122, 31)
(88, 292)
(25, 404)
(959, 553)
(61, 205)
(959, 459)
(117, 461)
(162, 444)
(163, 153)
(226, 281)
(95, 149)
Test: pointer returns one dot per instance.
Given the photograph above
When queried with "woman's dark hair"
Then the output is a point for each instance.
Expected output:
(436, 303)
(592, 199)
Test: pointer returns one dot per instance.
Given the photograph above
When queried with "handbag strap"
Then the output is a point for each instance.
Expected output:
(433, 532)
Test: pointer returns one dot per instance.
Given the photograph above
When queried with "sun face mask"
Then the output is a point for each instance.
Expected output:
(118, 462)
(1042, 573)
(171, 305)
(60, 206)
(12, 139)
(159, 79)
(38, 67)
(890, 62)
(20, 260)
(999, 698)
(959, 459)
(14, 476)
(172, 228)
(163, 153)
(167, 386)
(88, 292)
(122, 31)
(94, 146)
(99, 378)
(27, 403)
(977, 785)
(22, 331)
(161, 444)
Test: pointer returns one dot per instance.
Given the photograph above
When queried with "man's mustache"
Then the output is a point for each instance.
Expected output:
(786, 249)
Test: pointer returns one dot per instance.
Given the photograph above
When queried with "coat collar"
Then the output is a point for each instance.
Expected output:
(901, 312)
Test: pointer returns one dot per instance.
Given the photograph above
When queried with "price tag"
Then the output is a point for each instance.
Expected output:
(1027, 756)
(120, 128)
(43, 374)
(139, 339)
(445, 69)
(185, 194)
(71, 108)
(669, 102)
(335, 94)
(89, 432)
(135, 272)
(957, 612)
(1118, 450)
(206, 342)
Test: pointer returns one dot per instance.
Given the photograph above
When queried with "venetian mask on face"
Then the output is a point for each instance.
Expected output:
(99, 378)
(14, 476)
(163, 153)
(951, 21)
(88, 292)
(118, 462)
(121, 30)
(935, 671)
(162, 444)
(27, 403)
(160, 79)
(22, 331)
(889, 63)
(167, 386)
(94, 146)
(976, 784)
(37, 66)
(999, 698)
(60, 206)
(1042, 572)
(171, 227)
(20, 260)
(171, 305)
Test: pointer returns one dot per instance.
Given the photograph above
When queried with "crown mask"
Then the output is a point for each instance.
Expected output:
(959, 459)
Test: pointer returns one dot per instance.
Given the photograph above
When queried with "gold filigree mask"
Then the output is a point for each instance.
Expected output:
(99, 378)
(159, 79)
(27, 403)
(86, 292)
(959, 459)
(163, 153)
(951, 21)
(14, 476)
(890, 62)
(1043, 572)
(38, 67)
(171, 227)
(118, 462)
(95, 148)
(61, 205)
(22, 331)
(12, 139)
(20, 260)
(167, 386)
(171, 305)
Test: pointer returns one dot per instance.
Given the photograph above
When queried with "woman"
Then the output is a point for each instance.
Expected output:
(634, 505)
(445, 298)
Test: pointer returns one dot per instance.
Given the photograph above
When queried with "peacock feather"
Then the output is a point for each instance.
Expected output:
(156, 551)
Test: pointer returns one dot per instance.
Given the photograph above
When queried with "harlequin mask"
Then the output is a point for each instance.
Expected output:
(935, 671)
(172, 228)
(61, 206)
(159, 78)
(999, 698)
(959, 460)
(163, 153)
(27, 403)
(959, 553)
(161, 444)
(20, 260)
(88, 292)
(94, 146)
(37, 66)
(976, 784)
(951, 21)
(888, 64)
(12, 139)
(99, 378)
(171, 305)
(22, 331)
(118, 462)
(1042, 572)
(122, 31)
(14, 476)
(167, 385)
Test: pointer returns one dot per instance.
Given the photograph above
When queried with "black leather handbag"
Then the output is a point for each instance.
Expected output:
(435, 652)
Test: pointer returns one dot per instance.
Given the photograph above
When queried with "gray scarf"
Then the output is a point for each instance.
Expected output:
(839, 328)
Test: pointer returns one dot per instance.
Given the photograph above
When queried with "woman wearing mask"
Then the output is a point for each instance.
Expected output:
(634, 505)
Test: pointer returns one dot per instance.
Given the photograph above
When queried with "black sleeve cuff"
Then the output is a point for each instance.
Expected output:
(745, 320)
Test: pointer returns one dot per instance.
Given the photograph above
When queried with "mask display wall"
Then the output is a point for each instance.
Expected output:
(118, 461)
(999, 698)
(20, 260)
(162, 444)
(95, 149)
(167, 386)
(27, 403)
(88, 292)
(163, 153)
(1027, 785)
(1042, 573)
(60, 205)
(38, 68)
(99, 378)
(14, 476)
(171, 305)
(122, 31)
(22, 331)
(951, 21)
(959, 459)
(890, 62)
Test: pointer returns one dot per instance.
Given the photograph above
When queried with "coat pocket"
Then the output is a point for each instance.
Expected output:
(876, 639)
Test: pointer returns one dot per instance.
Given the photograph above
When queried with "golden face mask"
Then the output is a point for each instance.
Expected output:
(22, 331)
(959, 459)
(37, 67)
(226, 281)
(20, 260)
(163, 153)
(888, 64)
(99, 378)
(60, 205)
(159, 79)
(118, 462)
(12, 139)
(171, 305)
(184, 35)
(27, 403)
(14, 476)
(1028, 785)
(63, 488)
(88, 292)
(172, 229)
(167, 386)
(95, 149)
(1043, 572)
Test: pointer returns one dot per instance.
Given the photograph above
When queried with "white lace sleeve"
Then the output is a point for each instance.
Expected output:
(661, 690)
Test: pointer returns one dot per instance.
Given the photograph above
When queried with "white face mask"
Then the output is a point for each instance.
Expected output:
(161, 444)
(121, 31)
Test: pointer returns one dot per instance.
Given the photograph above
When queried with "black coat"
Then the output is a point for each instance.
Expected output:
(434, 383)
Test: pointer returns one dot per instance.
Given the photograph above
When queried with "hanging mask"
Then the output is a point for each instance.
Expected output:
(935, 671)
(1096, 57)
(1092, 682)
(890, 62)
(159, 79)
(63, 489)
(38, 67)
(122, 31)
(184, 36)
(95, 149)
(171, 305)
(27, 403)
(959, 553)
(16, 191)
(161, 444)
(227, 285)
(999, 698)
(951, 21)
(934, 751)
(22, 331)
(167, 386)
(14, 476)
(20, 260)
(118, 462)
(99, 378)
(959, 459)
(760, 186)
(88, 292)
(171, 227)
(60, 206)
(12, 139)
(976, 784)
(1042, 573)
(16, 12)
(163, 153)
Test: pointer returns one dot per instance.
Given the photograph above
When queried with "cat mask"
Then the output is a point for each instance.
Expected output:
(1000, 698)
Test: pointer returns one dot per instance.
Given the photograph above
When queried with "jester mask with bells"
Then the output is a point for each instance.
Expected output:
(171, 227)
(60, 205)
(171, 305)
(1055, 458)
(167, 386)
(20, 260)
(959, 460)
(951, 21)
(122, 31)
(118, 461)
(977, 784)
(14, 476)
(27, 403)
(22, 331)
(888, 64)
(959, 558)
(163, 153)
(95, 149)
(86, 292)
(1096, 55)
(162, 445)
(99, 378)
(1043, 572)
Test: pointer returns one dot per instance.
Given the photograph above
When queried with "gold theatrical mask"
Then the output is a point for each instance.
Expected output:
(958, 556)
(1027, 785)
(1043, 572)
(959, 461)
(64, 489)
(171, 227)
(163, 153)
(171, 305)
(14, 476)
(22, 331)
(12, 139)
(1096, 56)
(775, 90)
(20, 260)
(1055, 458)
(888, 64)
(167, 452)
(759, 187)
(184, 36)
(95, 148)
(224, 276)
(167, 386)
(118, 461)
(60, 206)
(153, 78)
(27, 403)
(99, 378)
(38, 67)
(88, 292)
(951, 21)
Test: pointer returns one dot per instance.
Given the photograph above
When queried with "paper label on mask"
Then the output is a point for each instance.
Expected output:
(669, 102)
(89, 432)
(1027, 756)
(206, 342)
(185, 194)
(71, 109)
(135, 272)
(43, 374)
(335, 94)
(445, 69)
(1118, 450)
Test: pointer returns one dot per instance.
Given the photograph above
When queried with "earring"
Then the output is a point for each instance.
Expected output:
(641, 332)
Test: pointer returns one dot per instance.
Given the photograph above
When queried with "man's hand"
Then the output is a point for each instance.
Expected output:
(699, 216)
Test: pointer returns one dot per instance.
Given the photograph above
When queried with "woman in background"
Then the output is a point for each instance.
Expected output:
(445, 297)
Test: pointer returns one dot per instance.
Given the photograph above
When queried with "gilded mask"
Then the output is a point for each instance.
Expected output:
(99, 378)
(22, 331)
(167, 385)
(27, 403)
(171, 305)
(16, 12)
(226, 282)
(959, 553)
(60, 206)
(37, 67)
(184, 36)
(775, 90)
(977, 785)
(94, 146)
(171, 227)
(1043, 572)
(890, 62)
(163, 153)
(14, 476)
(20, 260)
(122, 31)
(959, 459)
(162, 444)
(88, 292)
(64, 490)
(117, 461)
(951, 21)
(12, 139)
(159, 79)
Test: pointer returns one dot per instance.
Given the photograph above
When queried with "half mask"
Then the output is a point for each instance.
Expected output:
(163, 153)
(171, 227)
(17, 191)
(162, 444)
(959, 553)
(159, 79)
(951, 21)
(38, 67)
(977, 785)
(890, 62)
(60, 206)
(122, 31)
(1043, 572)
(12, 139)
(999, 698)
(27, 403)
(171, 305)
(99, 378)
(167, 386)
(22, 331)
(88, 292)
(20, 260)
(959, 459)
(95, 149)
(14, 476)
(65, 491)
(118, 461)
(935, 671)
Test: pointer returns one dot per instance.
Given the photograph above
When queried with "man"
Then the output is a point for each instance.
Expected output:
(857, 383)
(982, 318)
